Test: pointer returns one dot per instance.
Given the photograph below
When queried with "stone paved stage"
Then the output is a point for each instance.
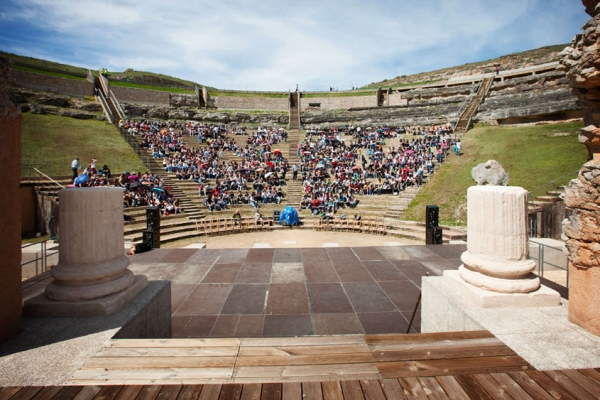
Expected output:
(294, 292)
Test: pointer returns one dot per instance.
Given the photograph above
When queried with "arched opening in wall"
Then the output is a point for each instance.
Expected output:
(559, 116)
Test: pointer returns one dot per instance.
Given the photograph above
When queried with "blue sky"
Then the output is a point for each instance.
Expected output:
(276, 44)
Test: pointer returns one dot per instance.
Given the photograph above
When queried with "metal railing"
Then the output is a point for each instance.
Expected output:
(555, 184)
(117, 105)
(102, 100)
(41, 257)
(465, 105)
(549, 257)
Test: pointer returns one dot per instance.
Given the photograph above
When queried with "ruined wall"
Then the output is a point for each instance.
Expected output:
(251, 103)
(339, 103)
(582, 229)
(143, 96)
(396, 99)
(48, 83)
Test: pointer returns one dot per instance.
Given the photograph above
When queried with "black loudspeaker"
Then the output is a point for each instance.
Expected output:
(434, 236)
(276, 215)
(431, 216)
(153, 218)
(152, 238)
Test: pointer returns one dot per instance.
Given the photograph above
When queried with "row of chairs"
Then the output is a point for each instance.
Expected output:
(366, 225)
(229, 225)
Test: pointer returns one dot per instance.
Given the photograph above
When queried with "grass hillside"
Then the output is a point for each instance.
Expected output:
(533, 155)
(50, 143)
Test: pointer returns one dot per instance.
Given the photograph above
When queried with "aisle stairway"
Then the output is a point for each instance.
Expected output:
(465, 118)
(294, 189)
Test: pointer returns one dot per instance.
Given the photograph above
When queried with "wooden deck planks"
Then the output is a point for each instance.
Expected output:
(570, 384)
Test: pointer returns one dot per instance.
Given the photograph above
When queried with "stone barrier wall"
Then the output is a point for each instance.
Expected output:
(338, 103)
(54, 84)
(143, 96)
(396, 99)
(251, 103)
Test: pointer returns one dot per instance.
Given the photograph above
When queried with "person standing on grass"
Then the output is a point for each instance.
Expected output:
(458, 146)
(75, 166)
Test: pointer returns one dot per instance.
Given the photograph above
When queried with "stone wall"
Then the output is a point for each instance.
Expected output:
(396, 99)
(251, 103)
(54, 84)
(338, 103)
(142, 96)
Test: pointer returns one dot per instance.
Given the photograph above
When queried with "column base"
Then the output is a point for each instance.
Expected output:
(541, 297)
(41, 306)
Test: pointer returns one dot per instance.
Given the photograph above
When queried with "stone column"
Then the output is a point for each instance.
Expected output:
(497, 256)
(582, 197)
(10, 215)
(91, 276)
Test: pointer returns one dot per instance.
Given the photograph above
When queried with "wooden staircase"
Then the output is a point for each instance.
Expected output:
(294, 110)
(465, 118)
(294, 189)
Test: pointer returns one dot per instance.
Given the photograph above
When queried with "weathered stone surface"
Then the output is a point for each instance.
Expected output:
(497, 256)
(490, 173)
(37, 109)
(582, 229)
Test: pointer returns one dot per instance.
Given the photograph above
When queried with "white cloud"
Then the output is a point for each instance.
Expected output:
(277, 44)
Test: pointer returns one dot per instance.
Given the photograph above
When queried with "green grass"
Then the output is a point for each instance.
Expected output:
(150, 87)
(37, 71)
(532, 155)
(50, 143)
(353, 93)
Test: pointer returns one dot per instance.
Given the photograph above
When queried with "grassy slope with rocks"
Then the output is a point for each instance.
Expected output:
(533, 156)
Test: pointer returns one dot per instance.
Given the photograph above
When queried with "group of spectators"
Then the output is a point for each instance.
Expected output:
(335, 165)
(334, 171)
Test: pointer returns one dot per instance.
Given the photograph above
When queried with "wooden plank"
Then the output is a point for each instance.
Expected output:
(591, 374)
(88, 392)
(494, 389)
(530, 386)
(159, 362)
(452, 387)
(190, 392)
(210, 392)
(332, 390)
(325, 371)
(251, 391)
(553, 388)
(271, 391)
(291, 390)
(330, 359)
(440, 344)
(372, 340)
(232, 391)
(302, 341)
(392, 389)
(372, 389)
(216, 351)
(352, 390)
(412, 388)
(472, 387)
(450, 366)
(432, 388)
(174, 343)
(588, 384)
(108, 392)
(46, 393)
(511, 387)
(571, 386)
(169, 392)
(7, 392)
(129, 392)
(149, 392)
(68, 392)
(148, 374)
(311, 391)
(440, 353)
(246, 351)
(26, 393)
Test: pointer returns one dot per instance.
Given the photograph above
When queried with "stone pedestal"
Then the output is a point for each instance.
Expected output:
(91, 276)
(497, 243)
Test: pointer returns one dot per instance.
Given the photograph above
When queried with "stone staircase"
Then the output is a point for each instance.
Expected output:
(465, 118)
(294, 189)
